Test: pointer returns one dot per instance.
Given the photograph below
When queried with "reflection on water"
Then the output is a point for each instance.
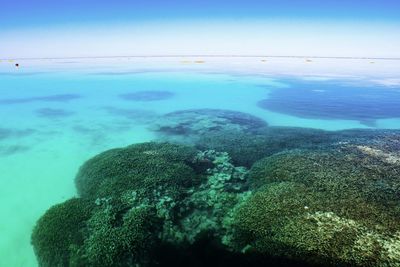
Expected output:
(164, 168)
(330, 100)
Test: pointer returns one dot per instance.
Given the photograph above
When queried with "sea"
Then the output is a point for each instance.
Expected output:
(55, 114)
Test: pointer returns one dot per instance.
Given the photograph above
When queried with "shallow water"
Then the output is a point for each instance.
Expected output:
(53, 121)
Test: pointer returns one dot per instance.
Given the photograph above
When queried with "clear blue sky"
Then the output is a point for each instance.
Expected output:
(111, 27)
(27, 13)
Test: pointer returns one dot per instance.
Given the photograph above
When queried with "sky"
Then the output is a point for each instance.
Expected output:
(45, 28)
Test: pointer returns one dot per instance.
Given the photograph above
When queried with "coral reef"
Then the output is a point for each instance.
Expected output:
(203, 210)
(319, 206)
(144, 167)
(118, 237)
(311, 198)
(142, 197)
(58, 233)
(245, 137)
(191, 124)
(245, 148)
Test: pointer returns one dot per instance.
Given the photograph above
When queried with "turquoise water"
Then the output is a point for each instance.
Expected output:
(52, 122)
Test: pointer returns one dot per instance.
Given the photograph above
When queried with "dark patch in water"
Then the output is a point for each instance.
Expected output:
(327, 100)
(138, 115)
(146, 96)
(96, 134)
(83, 129)
(202, 121)
(4, 133)
(14, 149)
(51, 98)
(9, 133)
(53, 113)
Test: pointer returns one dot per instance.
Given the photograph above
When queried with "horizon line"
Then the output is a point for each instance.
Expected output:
(194, 55)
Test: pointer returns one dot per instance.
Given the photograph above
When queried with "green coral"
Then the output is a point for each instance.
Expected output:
(245, 148)
(125, 193)
(256, 220)
(120, 238)
(351, 183)
(59, 232)
(318, 207)
(142, 167)
(288, 220)
(163, 204)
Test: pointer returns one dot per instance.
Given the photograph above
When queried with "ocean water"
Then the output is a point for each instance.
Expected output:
(55, 118)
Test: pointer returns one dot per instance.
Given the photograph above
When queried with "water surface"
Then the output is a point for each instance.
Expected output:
(53, 121)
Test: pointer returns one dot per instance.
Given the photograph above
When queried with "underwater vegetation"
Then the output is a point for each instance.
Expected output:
(146, 96)
(331, 203)
(324, 100)
(50, 98)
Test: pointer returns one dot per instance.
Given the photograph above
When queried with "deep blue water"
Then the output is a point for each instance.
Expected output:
(335, 100)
